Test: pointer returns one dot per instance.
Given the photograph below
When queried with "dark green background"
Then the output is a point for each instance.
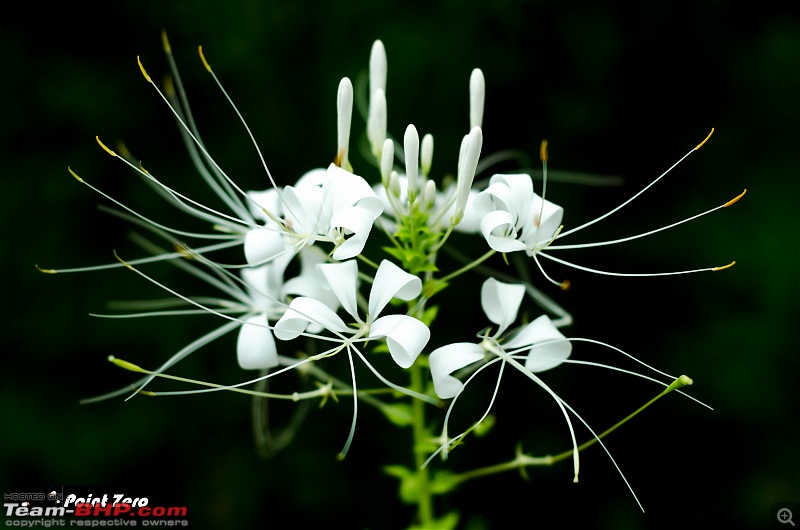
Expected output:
(616, 90)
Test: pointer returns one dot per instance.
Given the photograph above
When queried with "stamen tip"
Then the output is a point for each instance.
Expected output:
(565, 285)
(124, 364)
(46, 271)
(729, 265)
(122, 261)
(144, 72)
(735, 199)
(203, 58)
(169, 86)
(74, 174)
(165, 42)
(704, 141)
(105, 148)
(543, 151)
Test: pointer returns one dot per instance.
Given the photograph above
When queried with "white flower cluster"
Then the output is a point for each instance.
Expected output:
(323, 224)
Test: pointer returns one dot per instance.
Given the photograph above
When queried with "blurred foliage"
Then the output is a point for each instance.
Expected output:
(616, 89)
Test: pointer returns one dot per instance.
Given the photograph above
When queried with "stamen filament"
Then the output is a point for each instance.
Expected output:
(630, 238)
(631, 274)
(637, 194)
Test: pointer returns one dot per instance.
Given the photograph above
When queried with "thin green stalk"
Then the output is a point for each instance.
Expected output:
(468, 266)
(425, 515)
(523, 460)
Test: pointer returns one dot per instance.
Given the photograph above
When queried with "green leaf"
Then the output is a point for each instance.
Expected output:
(397, 253)
(484, 428)
(429, 315)
(444, 482)
(398, 413)
(409, 483)
(432, 287)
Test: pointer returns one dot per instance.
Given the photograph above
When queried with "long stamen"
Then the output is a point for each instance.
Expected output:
(146, 219)
(217, 183)
(563, 285)
(533, 377)
(182, 297)
(538, 219)
(640, 192)
(178, 198)
(140, 261)
(352, 432)
(295, 396)
(200, 145)
(607, 273)
(603, 445)
(630, 238)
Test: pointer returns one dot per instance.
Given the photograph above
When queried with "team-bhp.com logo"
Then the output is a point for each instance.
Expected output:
(27, 510)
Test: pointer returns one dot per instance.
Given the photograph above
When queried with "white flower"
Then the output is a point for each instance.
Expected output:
(405, 335)
(268, 294)
(330, 205)
(546, 346)
(514, 218)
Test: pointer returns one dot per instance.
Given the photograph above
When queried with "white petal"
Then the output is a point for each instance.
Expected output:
(446, 360)
(406, 337)
(391, 282)
(538, 231)
(357, 222)
(264, 200)
(261, 245)
(500, 302)
(303, 311)
(302, 206)
(255, 347)
(312, 179)
(342, 278)
(342, 188)
(503, 222)
(542, 356)
(520, 187)
(311, 282)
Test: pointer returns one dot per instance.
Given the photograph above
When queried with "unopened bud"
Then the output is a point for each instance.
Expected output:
(477, 95)
(430, 194)
(387, 159)
(344, 108)
(426, 154)
(411, 145)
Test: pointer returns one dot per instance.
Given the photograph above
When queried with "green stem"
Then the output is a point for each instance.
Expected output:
(468, 266)
(522, 460)
(424, 496)
(678, 383)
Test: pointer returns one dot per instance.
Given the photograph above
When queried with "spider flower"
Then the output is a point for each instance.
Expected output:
(514, 218)
(405, 335)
